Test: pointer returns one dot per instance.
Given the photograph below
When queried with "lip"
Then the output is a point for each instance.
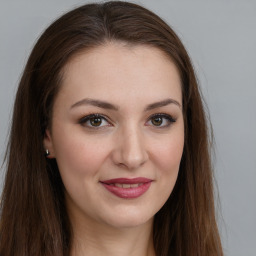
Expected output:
(127, 193)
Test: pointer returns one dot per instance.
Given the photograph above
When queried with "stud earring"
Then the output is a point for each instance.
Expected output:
(47, 152)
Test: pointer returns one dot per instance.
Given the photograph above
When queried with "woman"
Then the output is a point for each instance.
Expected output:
(108, 151)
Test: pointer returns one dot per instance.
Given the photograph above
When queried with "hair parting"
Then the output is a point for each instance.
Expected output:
(34, 220)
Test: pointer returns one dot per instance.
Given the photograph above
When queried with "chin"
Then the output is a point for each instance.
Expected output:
(129, 219)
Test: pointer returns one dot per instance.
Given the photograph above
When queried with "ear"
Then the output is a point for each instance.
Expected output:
(48, 144)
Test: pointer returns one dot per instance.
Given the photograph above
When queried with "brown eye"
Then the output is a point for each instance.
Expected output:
(157, 121)
(95, 121)
(161, 120)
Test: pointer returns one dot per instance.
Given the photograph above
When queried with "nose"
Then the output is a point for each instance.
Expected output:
(129, 150)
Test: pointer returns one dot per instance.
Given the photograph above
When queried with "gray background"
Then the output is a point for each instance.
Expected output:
(220, 36)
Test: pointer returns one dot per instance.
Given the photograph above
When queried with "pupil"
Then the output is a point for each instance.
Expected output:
(157, 121)
(95, 121)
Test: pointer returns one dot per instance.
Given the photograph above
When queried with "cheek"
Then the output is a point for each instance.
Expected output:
(166, 157)
(79, 155)
(167, 154)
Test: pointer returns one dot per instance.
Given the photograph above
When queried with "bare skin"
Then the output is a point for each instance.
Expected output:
(118, 115)
(111, 241)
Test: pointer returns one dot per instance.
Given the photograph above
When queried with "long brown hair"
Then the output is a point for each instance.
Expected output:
(33, 214)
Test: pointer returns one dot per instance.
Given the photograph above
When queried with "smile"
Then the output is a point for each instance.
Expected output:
(127, 188)
(126, 185)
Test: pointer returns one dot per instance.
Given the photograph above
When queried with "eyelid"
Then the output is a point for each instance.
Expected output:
(86, 118)
(169, 118)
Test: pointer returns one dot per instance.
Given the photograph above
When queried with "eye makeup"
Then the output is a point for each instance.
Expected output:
(95, 121)
(161, 120)
(99, 121)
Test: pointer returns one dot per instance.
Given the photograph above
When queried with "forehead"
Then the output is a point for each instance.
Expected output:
(117, 71)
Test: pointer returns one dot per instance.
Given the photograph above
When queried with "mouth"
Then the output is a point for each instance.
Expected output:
(127, 188)
(120, 185)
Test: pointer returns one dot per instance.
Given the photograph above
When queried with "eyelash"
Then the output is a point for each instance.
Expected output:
(169, 119)
(87, 118)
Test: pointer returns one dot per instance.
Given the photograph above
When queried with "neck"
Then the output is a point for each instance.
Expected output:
(92, 239)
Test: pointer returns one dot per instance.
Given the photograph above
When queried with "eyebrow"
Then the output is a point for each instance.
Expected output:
(107, 105)
(96, 103)
(162, 103)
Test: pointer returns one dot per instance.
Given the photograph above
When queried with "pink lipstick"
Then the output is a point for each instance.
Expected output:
(127, 188)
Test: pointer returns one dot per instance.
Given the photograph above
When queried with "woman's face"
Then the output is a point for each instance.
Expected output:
(117, 133)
